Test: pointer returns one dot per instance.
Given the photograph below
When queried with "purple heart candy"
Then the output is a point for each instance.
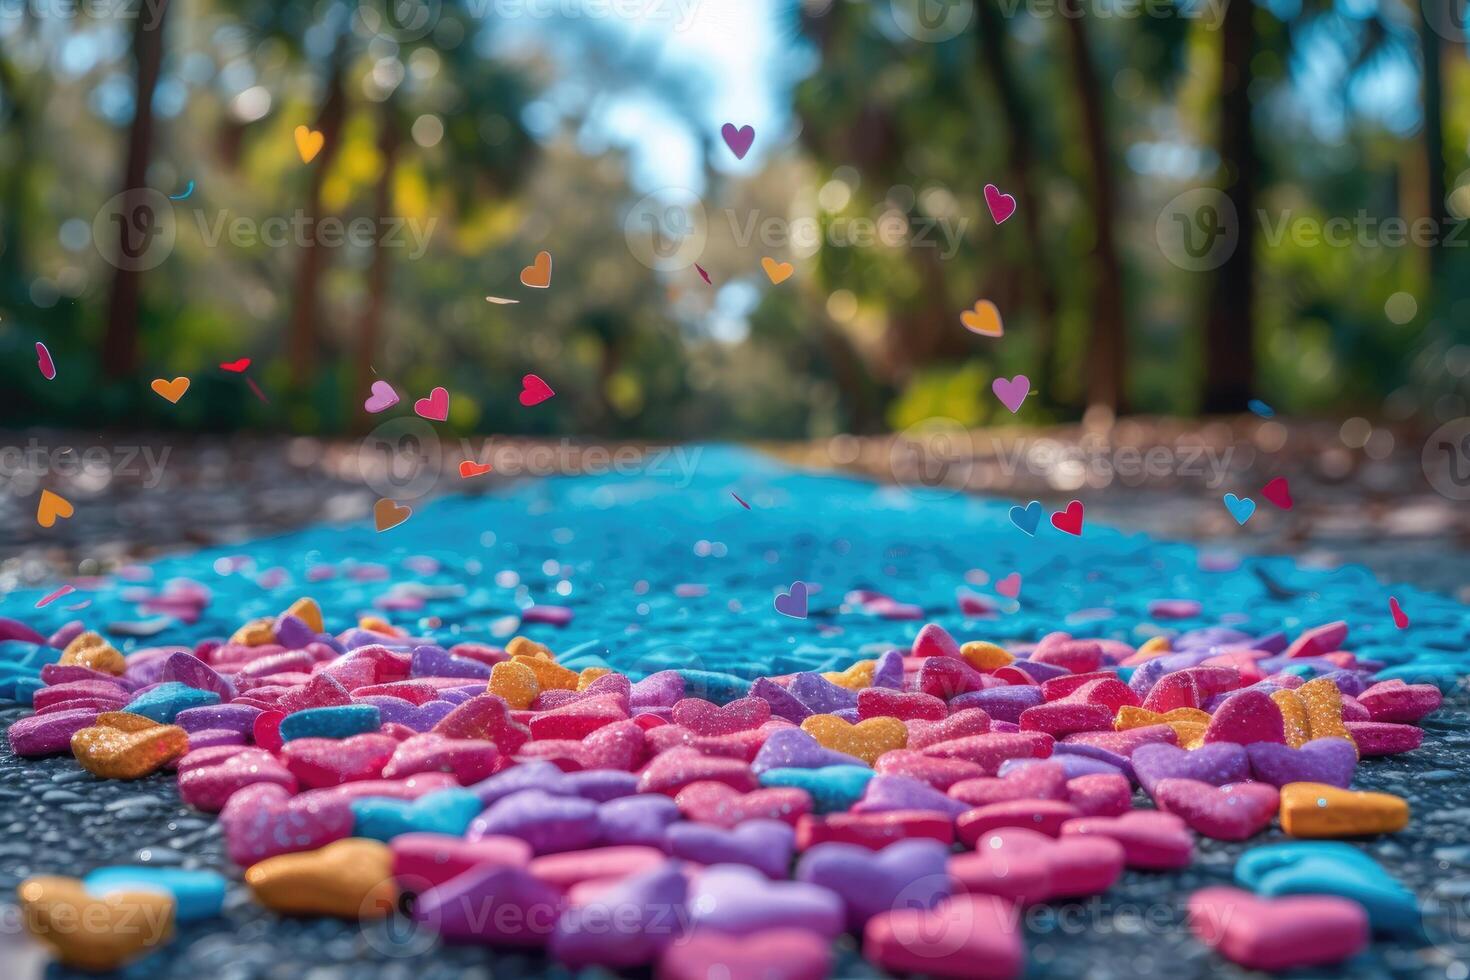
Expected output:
(737, 900)
(599, 785)
(234, 717)
(642, 819)
(536, 774)
(628, 924)
(548, 823)
(186, 668)
(433, 661)
(661, 690)
(1217, 763)
(1322, 760)
(37, 735)
(494, 904)
(907, 874)
(764, 845)
(792, 748)
(783, 703)
(1000, 703)
(820, 694)
(888, 672)
(884, 794)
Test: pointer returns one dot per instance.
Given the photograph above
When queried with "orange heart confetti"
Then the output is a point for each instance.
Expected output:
(52, 506)
(984, 319)
(172, 390)
(469, 468)
(309, 143)
(777, 272)
(538, 274)
(388, 514)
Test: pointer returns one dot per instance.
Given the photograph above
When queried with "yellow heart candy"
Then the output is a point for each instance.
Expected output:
(1320, 810)
(514, 683)
(550, 675)
(984, 656)
(1131, 716)
(52, 506)
(122, 745)
(256, 633)
(309, 142)
(589, 674)
(521, 646)
(867, 739)
(1323, 702)
(854, 678)
(984, 319)
(90, 650)
(309, 613)
(351, 878)
(89, 932)
(1155, 646)
(777, 272)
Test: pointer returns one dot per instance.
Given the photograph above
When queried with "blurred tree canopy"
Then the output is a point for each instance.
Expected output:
(435, 137)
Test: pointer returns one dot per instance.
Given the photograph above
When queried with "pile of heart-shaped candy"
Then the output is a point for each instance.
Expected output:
(918, 799)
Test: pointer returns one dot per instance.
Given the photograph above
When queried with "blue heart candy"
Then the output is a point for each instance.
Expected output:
(448, 811)
(1330, 868)
(832, 788)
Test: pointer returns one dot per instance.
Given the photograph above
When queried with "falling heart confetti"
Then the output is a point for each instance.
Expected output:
(501, 301)
(435, 407)
(184, 196)
(703, 275)
(171, 390)
(44, 362)
(1069, 521)
(469, 468)
(236, 366)
(388, 514)
(309, 143)
(1260, 408)
(1010, 586)
(52, 506)
(537, 275)
(777, 272)
(793, 603)
(1278, 493)
(739, 501)
(1001, 206)
(1013, 392)
(534, 391)
(1400, 618)
(984, 319)
(64, 590)
(1027, 518)
(382, 398)
(738, 140)
(1241, 508)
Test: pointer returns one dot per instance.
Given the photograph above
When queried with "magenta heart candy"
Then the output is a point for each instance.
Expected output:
(704, 718)
(209, 787)
(973, 936)
(318, 762)
(1245, 717)
(424, 860)
(46, 734)
(1235, 811)
(1100, 794)
(773, 954)
(1278, 933)
(1042, 780)
(718, 804)
(468, 760)
(1151, 840)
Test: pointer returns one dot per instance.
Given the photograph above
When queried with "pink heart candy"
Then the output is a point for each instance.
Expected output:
(1246, 717)
(1234, 811)
(567, 870)
(1001, 206)
(772, 954)
(704, 718)
(381, 398)
(1080, 866)
(1038, 781)
(263, 820)
(963, 936)
(209, 787)
(318, 762)
(421, 860)
(939, 773)
(1044, 816)
(468, 760)
(1100, 794)
(720, 805)
(1151, 840)
(1278, 933)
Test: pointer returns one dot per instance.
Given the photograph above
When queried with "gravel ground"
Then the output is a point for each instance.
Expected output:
(621, 545)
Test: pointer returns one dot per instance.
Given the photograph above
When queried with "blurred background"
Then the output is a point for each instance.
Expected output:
(1216, 201)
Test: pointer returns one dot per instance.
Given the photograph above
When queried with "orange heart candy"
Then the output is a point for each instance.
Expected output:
(550, 675)
(351, 878)
(52, 506)
(867, 739)
(257, 633)
(172, 390)
(122, 745)
(309, 613)
(777, 272)
(984, 656)
(984, 319)
(514, 683)
(89, 932)
(92, 651)
(537, 275)
(1321, 810)
(388, 514)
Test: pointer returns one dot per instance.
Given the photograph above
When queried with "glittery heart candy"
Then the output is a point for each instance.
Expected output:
(127, 746)
(719, 804)
(877, 702)
(963, 936)
(671, 771)
(263, 820)
(704, 718)
(738, 900)
(1044, 780)
(317, 762)
(209, 787)
(548, 823)
(1323, 760)
(90, 932)
(866, 740)
(1217, 764)
(1044, 816)
(792, 748)
(939, 773)
(990, 750)
(640, 819)
(1100, 794)
(351, 879)
(874, 830)
(484, 717)
(764, 845)
(1320, 810)
(869, 882)
(1396, 701)
(1078, 865)
(1151, 840)
(885, 794)
(468, 760)
(1235, 811)
(1277, 934)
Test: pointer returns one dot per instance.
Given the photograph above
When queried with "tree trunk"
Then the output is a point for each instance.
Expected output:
(302, 333)
(1433, 141)
(1230, 361)
(370, 332)
(120, 341)
(994, 61)
(1107, 380)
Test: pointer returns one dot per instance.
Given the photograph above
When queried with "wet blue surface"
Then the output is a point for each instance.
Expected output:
(613, 549)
